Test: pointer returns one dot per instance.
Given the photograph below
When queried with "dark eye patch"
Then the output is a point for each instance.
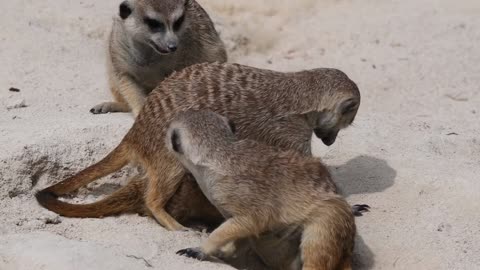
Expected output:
(233, 128)
(175, 140)
(154, 25)
(124, 10)
(178, 23)
(349, 106)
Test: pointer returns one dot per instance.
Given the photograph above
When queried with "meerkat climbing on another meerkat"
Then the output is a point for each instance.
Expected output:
(258, 188)
(276, 108)
(148, 41)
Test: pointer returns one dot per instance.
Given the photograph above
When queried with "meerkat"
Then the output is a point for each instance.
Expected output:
(149, 39)
(260, 102)
(259, 188)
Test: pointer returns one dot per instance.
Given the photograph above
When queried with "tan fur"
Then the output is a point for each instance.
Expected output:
(127, 199)
(259, 188)
(135, 66)
(263, 104)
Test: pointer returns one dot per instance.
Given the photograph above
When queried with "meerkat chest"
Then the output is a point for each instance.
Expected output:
(152, 70)
(207, 181)
(150, 75)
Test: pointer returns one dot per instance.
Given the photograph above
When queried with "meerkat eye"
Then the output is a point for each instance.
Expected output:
(153, 24)
(124, 10)
(349, 106)
(178, 23)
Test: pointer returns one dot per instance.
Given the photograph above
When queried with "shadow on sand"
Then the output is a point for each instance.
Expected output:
(363, 174)
(363, 257)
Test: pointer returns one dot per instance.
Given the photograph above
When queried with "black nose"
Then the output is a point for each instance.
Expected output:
(319, 133)
(172, 47)
(328, 140)
(327, 137)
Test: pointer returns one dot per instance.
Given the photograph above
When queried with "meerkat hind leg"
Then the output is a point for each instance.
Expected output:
(156, 197)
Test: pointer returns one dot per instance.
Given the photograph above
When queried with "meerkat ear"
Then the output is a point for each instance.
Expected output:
(175, 141)
(233, 128)
(125, 10)
(348, 106)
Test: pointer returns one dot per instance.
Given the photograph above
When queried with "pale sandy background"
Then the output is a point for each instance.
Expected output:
(413, 153)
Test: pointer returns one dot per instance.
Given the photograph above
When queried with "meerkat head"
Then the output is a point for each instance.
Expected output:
(337, 111)
(157, 23)
(193, 135)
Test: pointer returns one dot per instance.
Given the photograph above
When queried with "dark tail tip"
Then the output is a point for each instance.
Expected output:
(45, 198)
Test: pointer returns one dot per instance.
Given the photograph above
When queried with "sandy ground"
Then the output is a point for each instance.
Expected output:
(413, 153)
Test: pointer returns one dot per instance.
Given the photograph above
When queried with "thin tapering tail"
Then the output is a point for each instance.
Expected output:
(127, 199)
(114, 161)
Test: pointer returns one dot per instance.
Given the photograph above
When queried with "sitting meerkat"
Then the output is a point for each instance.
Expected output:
(258, 188)
(149, 40)
(276, 108)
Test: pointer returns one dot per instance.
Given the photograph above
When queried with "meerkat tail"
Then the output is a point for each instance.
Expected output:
(114, 161)
(127, 199)
(325, 240)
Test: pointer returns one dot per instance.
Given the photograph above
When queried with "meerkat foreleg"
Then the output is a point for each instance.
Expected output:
(233, 229)
(133, 93)
(108, 107)
(129, 91)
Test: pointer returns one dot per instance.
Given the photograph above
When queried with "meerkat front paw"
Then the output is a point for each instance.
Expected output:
(109, 107)
(227, 251)
(195, 253)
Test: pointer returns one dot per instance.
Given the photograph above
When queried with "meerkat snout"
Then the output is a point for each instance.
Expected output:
(327, 137)
(163, 39)
(159, 25)
(339, 110)
(172, 47)
(165, 29)
(327, 124)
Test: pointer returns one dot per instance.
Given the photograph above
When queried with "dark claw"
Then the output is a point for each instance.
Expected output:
(194, 253)
(92, 110)
(358, 209)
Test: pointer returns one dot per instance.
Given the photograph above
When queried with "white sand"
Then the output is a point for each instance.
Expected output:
(413, 153)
